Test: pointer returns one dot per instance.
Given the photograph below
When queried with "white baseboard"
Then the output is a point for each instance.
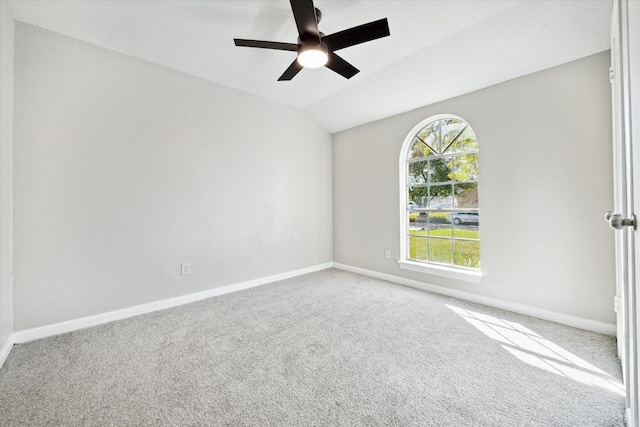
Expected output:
(6, 349)
(98, 319)
(565, 319)
(627, 416)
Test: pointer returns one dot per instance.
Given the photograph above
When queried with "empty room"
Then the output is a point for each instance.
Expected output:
(319, 213)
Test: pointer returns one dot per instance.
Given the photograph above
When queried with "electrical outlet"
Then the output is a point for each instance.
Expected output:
(185, 268)
(387, 253)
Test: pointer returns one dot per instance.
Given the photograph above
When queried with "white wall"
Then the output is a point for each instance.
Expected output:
(546, 180)
(124, 169)
(7, 28)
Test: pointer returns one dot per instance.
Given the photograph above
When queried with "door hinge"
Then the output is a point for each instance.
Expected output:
(611, 75)
(616, 303)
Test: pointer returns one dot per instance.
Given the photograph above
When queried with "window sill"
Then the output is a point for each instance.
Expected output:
(436, 270)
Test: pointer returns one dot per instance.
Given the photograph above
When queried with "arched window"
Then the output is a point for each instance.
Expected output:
(439, 177)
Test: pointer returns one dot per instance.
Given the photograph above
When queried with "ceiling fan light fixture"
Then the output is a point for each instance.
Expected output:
(314, 56)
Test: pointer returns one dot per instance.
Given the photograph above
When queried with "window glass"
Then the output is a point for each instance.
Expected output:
(465, 142)
(442, 203)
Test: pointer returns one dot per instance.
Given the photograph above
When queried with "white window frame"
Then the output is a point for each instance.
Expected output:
(458, 273)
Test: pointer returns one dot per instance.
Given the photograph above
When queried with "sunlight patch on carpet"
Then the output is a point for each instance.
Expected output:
(532, 349)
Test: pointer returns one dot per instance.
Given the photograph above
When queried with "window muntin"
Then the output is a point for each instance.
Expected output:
(440, 170)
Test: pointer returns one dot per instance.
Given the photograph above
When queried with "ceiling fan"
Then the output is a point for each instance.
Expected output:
(316, 49)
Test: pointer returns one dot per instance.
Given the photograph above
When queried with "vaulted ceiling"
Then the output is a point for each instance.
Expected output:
(437, 49)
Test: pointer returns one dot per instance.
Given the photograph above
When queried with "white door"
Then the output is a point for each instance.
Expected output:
(630, 26)
(624, 51)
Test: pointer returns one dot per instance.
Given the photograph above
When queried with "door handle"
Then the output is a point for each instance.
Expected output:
(617, 222)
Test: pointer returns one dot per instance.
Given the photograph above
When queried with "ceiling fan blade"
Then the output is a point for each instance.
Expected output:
(304, 12)
(266, 45)
(291, 72)
(341, 66)
(356, 35)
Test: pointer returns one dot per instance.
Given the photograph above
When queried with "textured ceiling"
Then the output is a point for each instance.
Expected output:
(437, 49)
